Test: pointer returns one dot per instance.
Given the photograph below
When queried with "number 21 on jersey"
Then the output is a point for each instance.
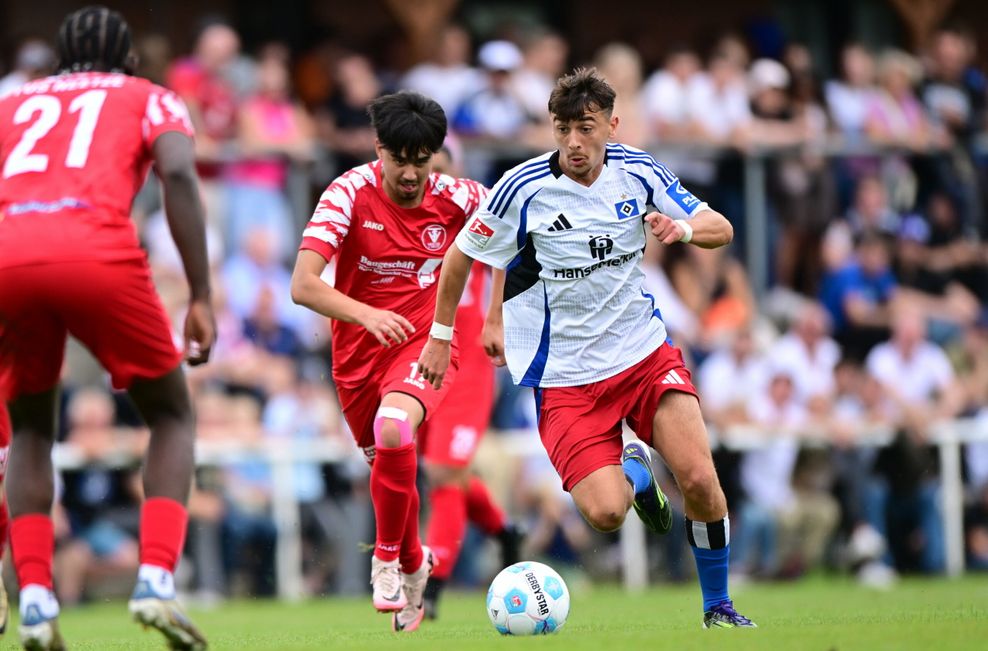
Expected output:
(48, 110)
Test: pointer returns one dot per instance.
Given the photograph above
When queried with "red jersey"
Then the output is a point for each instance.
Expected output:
(389, 256)
(74, 150)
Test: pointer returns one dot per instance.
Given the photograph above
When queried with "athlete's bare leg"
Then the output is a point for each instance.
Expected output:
(167, 410)
(604, 497)
(680, 437)
(30, 475)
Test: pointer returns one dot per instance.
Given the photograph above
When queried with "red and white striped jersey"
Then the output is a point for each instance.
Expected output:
(74, 150)
(389, 257)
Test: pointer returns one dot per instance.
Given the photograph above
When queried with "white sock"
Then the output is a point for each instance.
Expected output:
(40, 596)
(160, 579)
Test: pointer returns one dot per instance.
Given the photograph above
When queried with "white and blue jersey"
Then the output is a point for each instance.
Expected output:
(575, 311)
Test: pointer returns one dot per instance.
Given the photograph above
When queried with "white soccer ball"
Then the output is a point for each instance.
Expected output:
(528, 598)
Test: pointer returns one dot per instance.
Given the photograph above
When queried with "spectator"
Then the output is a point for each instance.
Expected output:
(783, 527)
(35, 59)
(204, 82)
(895, 116)
(273, 130)
(545, 53)
(448, 76)
(666, 95)
(859, 296)
(494, 111)
(495, 114)
(917, 376)
(728, 378)
(849, 97)
(102, 505)
(254, 268)
(869, 212)
(621, 66)
(811, 356)
(714, 286)
(344, 124)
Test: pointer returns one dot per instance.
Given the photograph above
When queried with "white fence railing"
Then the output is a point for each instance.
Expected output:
(281, 455)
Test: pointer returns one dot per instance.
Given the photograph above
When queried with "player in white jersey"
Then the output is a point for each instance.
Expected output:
(569, 228)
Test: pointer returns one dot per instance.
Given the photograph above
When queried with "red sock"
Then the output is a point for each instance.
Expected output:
(411, 545)
(32, 541)
(481, 509)
(163, 523)
(392, 484)
(447, 526)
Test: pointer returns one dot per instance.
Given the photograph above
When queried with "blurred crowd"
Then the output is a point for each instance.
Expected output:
(822, 391)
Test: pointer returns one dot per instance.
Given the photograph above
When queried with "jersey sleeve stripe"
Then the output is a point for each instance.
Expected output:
(649, 200)
(513, 182)
(327, 235)
(541, 174)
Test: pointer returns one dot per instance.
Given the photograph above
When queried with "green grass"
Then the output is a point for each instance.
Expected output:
(825, 615)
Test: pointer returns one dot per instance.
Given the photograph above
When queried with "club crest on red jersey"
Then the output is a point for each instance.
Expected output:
(434, 237)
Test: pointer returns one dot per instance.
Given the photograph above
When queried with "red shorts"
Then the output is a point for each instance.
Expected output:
(111, 307)
(581, 426)
(398, 375)
(454, 431)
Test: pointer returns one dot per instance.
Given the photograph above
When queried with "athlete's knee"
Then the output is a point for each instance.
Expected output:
(700, 485)
(604, 514)
(392, 428)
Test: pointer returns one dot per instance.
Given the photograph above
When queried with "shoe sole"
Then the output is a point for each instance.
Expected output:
(391, 606)
(153, 613)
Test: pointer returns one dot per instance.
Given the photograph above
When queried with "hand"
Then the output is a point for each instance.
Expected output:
(493, 339)
(666, 229)
(434, 361)
(200, 332)
(387, 327)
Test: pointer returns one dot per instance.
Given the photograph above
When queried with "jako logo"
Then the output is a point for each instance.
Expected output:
(374, 226)
(601, 246)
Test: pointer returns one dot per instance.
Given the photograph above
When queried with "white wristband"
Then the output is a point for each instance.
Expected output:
(440, 331)
(687, 231)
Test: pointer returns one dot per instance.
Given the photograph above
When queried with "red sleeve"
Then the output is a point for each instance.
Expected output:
(330, 221)
(165, 112)
(468, 195)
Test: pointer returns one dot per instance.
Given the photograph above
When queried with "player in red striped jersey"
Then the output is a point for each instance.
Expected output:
(388, 224)
(74, 149)
(449, 441)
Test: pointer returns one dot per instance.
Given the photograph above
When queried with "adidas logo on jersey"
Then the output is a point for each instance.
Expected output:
(374, 226)
(561, 224)
(672, 377)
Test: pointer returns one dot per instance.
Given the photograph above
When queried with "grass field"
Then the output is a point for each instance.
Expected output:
(932, 615)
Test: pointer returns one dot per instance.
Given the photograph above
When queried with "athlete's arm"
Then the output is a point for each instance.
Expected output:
(710, 229)
(434, 359)
(309, 289)
(174, 161)
(493, 335)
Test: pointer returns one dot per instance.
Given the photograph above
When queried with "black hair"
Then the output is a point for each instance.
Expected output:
(94, 38)
(408, 123)
(582, 92)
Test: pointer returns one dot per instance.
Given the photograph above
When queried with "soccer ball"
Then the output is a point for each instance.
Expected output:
(527, 598)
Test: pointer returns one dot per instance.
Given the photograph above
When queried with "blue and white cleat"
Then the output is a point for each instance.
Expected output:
(651, 505)
(723, 615)
(164, 613)
(40, 633)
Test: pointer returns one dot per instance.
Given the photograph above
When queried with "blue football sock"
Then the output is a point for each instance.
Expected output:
(637, 474)
(711, 568)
